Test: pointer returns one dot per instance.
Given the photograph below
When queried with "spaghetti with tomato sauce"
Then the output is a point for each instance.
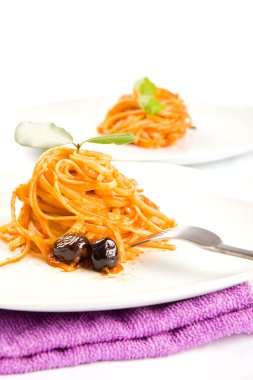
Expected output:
(157, 130)
(82, 193)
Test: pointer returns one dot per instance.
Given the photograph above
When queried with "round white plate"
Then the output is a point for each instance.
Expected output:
(156, 276)
(221, 132)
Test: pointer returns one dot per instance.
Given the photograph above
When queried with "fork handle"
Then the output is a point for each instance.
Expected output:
(234, 251)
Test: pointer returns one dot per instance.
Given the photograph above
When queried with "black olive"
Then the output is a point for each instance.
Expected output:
(71, 248)
(104, 254)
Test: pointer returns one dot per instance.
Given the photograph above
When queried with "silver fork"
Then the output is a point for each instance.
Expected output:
(200, 237)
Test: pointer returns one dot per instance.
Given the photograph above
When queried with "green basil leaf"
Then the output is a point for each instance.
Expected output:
(118, 139)
(41, 135)
(145, 87)
(147, 96)
(150, 104)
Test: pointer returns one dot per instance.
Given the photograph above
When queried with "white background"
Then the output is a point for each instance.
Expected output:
(55, 50)
(59, 49)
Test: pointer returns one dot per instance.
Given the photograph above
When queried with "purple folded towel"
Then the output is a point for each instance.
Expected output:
(38, 341)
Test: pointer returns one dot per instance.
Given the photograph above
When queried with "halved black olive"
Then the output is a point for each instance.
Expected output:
(104, 254)
(71, 248)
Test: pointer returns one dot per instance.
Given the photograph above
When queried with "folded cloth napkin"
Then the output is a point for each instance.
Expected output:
(37, 341)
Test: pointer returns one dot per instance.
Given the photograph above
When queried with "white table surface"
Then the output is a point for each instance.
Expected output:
(229, 358)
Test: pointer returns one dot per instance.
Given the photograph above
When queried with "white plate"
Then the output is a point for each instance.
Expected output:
(155, 277)
(222, 132)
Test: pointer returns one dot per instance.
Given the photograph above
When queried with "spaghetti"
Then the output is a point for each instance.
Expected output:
(152, 131)
(80, 191)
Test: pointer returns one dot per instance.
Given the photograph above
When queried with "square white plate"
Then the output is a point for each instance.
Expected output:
(156, 276)
(221, 132)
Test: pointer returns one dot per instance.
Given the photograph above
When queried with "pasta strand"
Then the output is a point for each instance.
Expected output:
(80, 191)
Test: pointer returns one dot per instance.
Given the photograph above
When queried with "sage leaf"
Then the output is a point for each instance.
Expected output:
(118, 139)
(41, 135)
